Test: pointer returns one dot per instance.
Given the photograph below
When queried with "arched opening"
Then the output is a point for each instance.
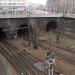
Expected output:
(2, 33)
(23, 30)
(51, 25)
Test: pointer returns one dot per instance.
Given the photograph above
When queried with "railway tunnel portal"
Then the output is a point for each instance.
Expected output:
(22, 30)
(51, 25)
(2, 33)
(19, 26)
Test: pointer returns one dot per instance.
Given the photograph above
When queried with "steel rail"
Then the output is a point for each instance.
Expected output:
(18, 61)
(23, 59)
(58, 54)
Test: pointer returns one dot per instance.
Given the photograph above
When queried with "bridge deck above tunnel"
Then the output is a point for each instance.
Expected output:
(3, 16)
(70, 16)
(30, 15)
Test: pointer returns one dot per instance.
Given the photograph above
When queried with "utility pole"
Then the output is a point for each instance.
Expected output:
(35, 42)
(73, 7)
(29, 23)
(58, 33)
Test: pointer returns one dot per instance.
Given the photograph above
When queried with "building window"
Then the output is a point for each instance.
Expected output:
(0, 3)
(10, 3)
(18, 0)
(14, 3)
(5, 3)
(23, 3)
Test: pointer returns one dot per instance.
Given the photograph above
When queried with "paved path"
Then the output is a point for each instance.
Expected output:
(2, 69)
(5, 67)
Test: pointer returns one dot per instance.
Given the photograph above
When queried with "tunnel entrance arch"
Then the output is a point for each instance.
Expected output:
(22, 30)
(51, 25)
(2, 33)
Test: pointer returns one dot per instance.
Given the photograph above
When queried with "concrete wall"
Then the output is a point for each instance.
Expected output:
(69, 24)
(38, 23)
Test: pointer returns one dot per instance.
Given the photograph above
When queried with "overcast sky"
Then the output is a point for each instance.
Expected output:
(38, 1)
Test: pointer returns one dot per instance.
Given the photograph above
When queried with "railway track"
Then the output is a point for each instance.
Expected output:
(62, 46)
(58, 53)
(62, 33)
(67, 35)
(24, 53)
(17, 60)
(14, 62)
(20, 61)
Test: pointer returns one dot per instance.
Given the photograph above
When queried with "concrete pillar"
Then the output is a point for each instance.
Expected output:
(8, 28)
(34, 40)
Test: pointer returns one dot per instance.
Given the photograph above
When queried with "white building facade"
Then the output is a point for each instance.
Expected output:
(13, 6)
(13, 2)
(61, 6)
(20, 7)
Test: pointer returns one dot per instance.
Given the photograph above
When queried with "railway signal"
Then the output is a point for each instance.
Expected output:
(50, 63)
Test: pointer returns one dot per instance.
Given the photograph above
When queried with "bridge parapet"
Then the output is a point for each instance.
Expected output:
(30, 15)
(70, 16)
(2, 16)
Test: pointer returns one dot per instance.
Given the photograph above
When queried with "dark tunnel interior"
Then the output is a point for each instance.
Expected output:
(22, 30)
(2, 33)
(51, 25)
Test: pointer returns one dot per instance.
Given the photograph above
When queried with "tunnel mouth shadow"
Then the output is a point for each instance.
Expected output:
(2, 33)
(51, 25)
(22, 30)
